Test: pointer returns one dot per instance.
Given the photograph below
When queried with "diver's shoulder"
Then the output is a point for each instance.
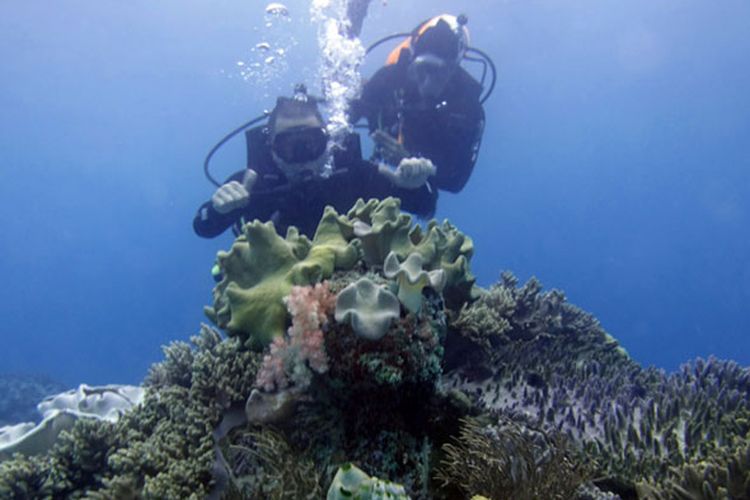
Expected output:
(468, 85)
(387, 76)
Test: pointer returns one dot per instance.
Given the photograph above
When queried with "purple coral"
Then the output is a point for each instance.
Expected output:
(292, 359)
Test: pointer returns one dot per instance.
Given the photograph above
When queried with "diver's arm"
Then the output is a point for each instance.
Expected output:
(209, 222)
(420, 201)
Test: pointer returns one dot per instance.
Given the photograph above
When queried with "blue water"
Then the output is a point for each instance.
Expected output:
(615, 166)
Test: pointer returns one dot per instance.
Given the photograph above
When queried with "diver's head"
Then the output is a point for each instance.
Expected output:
(298, 137)
(437, 45)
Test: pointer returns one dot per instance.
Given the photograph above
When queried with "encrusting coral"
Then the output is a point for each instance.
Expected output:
(295, 391)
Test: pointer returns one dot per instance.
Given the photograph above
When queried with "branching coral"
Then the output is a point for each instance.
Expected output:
(509, 460)
(266, 466)
(75, 463)
(724, 475)
(164, 448)
(557, 369)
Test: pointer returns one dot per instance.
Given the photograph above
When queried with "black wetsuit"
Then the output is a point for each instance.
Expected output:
(448, 130)
(301, 204)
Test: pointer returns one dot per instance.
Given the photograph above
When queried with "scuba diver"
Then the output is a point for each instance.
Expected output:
(424, 106)
(293, 171)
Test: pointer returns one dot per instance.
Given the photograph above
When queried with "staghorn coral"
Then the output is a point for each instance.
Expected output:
(164, 448)
(486, 318)
(75, 463)
(24, 477)
(175, 369)
(509, 460)
(78, 458)
(168, 449)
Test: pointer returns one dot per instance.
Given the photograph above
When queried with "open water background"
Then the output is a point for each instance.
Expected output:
(615, 165)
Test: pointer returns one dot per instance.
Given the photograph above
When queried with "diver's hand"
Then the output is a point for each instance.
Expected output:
(411, 173)
(391, 150)
(233, 195)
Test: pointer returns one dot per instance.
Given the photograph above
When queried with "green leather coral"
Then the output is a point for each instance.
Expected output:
(261, 268)
(352, 483)
(411, 278)
(383, 228)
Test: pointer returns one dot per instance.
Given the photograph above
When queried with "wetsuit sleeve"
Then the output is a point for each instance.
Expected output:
(208, 223)
(362, 180)
(419, 201)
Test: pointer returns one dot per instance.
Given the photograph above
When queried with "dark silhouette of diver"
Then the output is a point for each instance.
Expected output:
(423, 104)
(293, 172)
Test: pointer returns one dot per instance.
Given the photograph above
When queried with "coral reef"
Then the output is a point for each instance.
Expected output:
(19, 395)
(449, 391)
(352, 482)
(261, 268)
(294, 359)
(726, 474)
(505, 459)
(546, 363)
(411, 279)
(60, 412)
(267, 467)
(368, 308)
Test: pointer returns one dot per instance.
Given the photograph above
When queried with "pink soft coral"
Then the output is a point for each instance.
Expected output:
(292, 359)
